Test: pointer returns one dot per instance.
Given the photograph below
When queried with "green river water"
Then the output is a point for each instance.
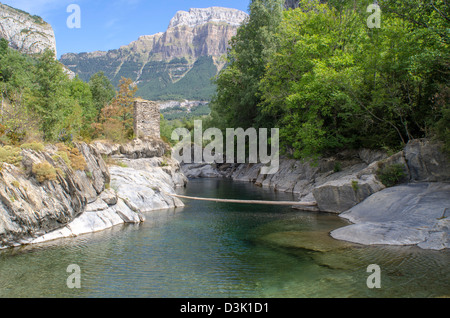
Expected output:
(220, 250)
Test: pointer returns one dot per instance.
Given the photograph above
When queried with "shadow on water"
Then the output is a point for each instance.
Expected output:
(210, 249)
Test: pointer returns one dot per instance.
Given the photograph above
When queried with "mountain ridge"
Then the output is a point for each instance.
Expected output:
(193, 46)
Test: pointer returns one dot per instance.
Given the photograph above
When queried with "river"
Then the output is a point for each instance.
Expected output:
(209, 249)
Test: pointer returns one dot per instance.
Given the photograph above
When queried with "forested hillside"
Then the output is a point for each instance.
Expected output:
(40, 103)
(330, 82)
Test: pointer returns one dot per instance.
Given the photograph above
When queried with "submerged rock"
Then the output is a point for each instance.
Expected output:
(318, 241)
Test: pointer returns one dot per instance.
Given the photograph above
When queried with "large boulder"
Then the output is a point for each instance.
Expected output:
(144, 188)
(426, 161)
(342, 194)
(410, 214)
(138, 186)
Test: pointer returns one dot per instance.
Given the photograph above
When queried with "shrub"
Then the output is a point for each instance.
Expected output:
(15, 184)
(44, 171)
(355, 185)
(64, 156)
(164, 163)
(11, 155)
(337, 166)
(72, 157)
(36, 146)
(77, 160)
(391, 175)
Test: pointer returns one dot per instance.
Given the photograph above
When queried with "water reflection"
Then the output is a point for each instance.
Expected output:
(209, 249)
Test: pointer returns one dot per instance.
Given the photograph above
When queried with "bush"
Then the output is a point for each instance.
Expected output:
(36, 146)
(11, 155)
(77, 160)
(44, 171)
(72, 157)
(391, 175)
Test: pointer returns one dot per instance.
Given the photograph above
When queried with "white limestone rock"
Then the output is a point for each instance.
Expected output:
(26, 33)
(198, 16)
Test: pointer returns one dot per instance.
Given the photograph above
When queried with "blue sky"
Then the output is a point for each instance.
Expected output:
(109, 24)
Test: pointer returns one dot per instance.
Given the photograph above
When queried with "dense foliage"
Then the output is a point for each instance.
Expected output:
(330, 82)
(40, 101)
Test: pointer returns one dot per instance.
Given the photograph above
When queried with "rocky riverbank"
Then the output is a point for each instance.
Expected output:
(357, 182)
(66, 200)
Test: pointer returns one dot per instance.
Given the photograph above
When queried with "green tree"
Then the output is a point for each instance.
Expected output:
(102, 91)
(334, 83)
(50, 97)
(237, 96)
(116, 119)
(302, 88)
(81, 92)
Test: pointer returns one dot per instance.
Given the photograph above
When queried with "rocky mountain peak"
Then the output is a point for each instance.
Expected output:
(24, 32)
(197, 16)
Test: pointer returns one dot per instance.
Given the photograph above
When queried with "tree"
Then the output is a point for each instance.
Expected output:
(102, 91)
(237, 96)
(87, 111)
(302, 87)
(116, 119)
(50, 97)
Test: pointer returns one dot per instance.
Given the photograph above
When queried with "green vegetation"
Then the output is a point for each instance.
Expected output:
(10, 155)
(331, 83)
(355, 185)
(195, 85)
(391, 175)
(180, 113)
(36, 146)
(44, 171)
(159, 80)
(40, 102)
(238, 85)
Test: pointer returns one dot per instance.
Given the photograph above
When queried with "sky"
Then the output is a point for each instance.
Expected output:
(109, 24)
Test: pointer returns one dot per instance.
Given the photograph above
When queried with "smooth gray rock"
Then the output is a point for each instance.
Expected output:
(29, 209)
(134, 149)
(78, 202)
(426, 162)
(342, 194)
(411, 214)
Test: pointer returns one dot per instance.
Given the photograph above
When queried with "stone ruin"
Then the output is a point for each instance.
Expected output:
(146, 119)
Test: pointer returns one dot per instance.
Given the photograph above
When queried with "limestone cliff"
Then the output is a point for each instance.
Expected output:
(176, 63)
(81, 193)
(26, 33)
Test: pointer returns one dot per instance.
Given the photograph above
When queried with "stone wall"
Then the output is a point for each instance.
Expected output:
(146, 119)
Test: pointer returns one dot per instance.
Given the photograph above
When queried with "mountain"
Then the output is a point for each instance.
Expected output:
(171, 65)
(24, 32)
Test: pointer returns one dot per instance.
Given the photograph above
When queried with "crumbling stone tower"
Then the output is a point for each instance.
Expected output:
(146, 119)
